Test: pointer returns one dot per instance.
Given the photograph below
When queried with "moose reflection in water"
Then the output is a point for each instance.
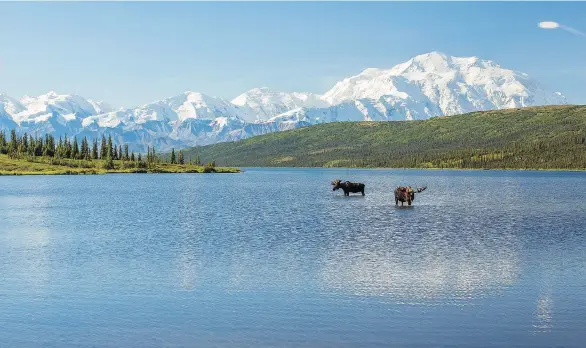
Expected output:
(347, 187)
(406, 194)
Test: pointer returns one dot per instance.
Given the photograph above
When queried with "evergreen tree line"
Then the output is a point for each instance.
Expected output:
(17, 146)
(28, 147)
(179, 158)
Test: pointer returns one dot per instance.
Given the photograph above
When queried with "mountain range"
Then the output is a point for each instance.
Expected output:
(428, 85)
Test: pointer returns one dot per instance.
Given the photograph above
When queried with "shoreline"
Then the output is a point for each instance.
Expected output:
(21, 167)
(6, 173)
(435, 169)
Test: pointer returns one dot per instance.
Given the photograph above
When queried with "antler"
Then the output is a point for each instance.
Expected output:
(421, 189)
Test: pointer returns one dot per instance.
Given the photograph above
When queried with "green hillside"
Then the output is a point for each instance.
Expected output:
(552, 137)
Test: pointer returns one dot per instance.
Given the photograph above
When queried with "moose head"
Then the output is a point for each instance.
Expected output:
(336, 184)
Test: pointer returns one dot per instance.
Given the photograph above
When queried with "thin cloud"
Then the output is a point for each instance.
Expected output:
(556, 25)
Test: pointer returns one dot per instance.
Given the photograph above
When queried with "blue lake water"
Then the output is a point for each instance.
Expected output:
(275, 258)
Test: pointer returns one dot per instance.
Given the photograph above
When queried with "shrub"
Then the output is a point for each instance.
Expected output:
(209, 169)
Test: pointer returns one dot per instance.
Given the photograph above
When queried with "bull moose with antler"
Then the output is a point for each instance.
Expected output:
(347, 187)
(406, 194)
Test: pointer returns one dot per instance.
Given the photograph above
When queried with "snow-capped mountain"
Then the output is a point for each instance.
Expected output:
(6, 122)
(100, 107)
(434, 84)
(427, 85)
(10, 105)
(39, 108)
(265, 103)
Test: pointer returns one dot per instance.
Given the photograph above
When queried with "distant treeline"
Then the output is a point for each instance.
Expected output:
(552, 137)
(105, 152)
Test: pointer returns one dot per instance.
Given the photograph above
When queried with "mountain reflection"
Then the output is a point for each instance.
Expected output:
(426, 275)
(544, 314)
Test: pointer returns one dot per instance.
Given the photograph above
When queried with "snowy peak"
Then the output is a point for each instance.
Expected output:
(430, 62)
(6, 121)
(447, 85)
(10, 105)
(176, 109)
(265, 103)
(41, 108)
(200, 106)
(100, 107)
(437, 62)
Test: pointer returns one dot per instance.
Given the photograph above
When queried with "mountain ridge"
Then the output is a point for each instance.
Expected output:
(427, 85)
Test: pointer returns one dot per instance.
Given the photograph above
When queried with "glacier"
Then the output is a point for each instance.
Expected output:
(427, 85)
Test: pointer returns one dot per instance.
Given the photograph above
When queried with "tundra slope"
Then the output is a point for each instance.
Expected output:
(427, 85)
(548, 137)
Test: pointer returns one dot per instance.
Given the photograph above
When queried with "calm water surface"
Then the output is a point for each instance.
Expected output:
(274, 258)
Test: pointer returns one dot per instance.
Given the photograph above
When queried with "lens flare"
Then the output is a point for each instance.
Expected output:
(549, 25)
(556, 25)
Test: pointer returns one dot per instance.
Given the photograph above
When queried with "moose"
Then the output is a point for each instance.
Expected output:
(348, 187)
(406, 194)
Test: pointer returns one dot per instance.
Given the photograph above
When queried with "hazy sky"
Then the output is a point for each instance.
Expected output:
(133, 53)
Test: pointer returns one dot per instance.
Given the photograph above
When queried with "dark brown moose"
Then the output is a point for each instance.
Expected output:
(406, 194)
(348, 187)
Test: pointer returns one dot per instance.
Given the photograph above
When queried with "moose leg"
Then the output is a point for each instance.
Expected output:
(396, 201)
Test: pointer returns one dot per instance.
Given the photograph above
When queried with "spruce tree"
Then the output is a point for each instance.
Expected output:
(24, 144)
(132, 157)
(109, 163)
(31, 145)
(83, 148)
(52, 146)
(120, 155)
(148, 159)
(110, 146)
(59, 151)
(95, 149)
(115, 153)
(67, 147)
(126, 157)
(3, 143)
(86, 153)
(13, 144)
(173, 161)
(75, 149)
(46, 146)
(181, 159)
(39, 146)
(103, 148)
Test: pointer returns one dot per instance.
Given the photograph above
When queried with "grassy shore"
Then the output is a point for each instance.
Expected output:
(49, 166)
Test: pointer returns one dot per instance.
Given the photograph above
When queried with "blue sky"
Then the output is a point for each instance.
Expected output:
(132, 53)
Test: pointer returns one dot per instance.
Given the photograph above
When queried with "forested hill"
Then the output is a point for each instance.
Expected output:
(551, 137)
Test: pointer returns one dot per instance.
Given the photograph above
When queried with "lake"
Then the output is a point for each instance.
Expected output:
(275, 258)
